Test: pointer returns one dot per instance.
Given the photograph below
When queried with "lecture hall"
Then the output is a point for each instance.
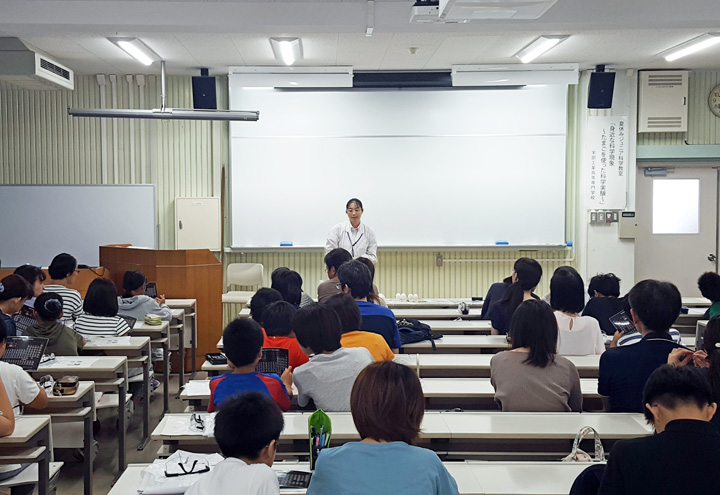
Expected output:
(504, 214)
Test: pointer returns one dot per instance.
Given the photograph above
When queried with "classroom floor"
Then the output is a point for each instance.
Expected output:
(105, 468)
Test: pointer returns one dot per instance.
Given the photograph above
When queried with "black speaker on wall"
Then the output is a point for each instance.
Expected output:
(204, 97)
(600, 94)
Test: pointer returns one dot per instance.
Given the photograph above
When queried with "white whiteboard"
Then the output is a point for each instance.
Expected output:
(41, 221)
(433, 168)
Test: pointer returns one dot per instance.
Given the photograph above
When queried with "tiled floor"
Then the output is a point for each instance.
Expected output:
(105, 469)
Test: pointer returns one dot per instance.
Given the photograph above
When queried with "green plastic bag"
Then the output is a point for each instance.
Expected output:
(319, 433)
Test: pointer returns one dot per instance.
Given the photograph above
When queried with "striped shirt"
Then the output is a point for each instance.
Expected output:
(90, 325)
(72, 301)
(635, 337)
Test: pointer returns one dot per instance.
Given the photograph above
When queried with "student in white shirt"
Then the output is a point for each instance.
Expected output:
(63, 271)
(21, 390)
(247, 428)
(328, 377)
(101, 309)
(577, 335)
(355, 237)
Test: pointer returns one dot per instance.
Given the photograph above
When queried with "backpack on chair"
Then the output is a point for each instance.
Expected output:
(412, 331)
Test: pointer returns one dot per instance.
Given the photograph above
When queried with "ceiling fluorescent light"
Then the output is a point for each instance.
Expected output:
(286, 49)
(694, 45)
(136, 49)
(538, 47)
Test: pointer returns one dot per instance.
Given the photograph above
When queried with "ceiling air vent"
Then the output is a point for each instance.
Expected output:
(22, 66)
(474, 10)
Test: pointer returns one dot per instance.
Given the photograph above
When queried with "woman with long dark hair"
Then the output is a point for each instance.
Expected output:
(526, 276)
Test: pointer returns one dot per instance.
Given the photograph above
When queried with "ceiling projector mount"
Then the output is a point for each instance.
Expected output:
(164, 113)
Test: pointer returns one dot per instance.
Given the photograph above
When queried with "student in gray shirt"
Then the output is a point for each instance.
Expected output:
(531, 377)
(327, 379)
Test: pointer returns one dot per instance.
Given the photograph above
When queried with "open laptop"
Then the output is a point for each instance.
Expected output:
(25, 352)
(24, 319)
(129, 319)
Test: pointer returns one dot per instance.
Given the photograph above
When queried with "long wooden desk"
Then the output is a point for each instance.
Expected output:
(30, 443)
(138, 351)
(67, 408)
(455, 433)
(459, 326)
(455, 344)
(435, 303)
(696, 302)
(188, 327)
(160, 337)
(108, 373)
(440, 393)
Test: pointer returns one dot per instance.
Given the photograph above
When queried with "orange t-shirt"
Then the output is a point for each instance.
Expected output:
(296, 357)
(371, 341)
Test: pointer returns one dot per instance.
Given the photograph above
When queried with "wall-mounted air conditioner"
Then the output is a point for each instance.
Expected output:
(22, 66)
(663, 98)
(474, 10)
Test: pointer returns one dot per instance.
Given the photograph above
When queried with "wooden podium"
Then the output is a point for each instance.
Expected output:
(179, 274)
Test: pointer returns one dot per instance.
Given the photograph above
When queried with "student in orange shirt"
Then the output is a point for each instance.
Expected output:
(351, 319)
(276, 321)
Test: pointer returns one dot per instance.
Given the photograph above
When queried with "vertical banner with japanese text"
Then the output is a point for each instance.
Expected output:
(605, 163)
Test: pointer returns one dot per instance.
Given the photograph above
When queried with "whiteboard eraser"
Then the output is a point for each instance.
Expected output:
(286, 244)
(502, 243)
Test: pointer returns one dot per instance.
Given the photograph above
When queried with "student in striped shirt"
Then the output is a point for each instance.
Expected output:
(101, 311)
(63, 271)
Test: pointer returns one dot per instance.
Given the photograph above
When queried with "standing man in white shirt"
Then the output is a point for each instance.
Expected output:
(353, 236)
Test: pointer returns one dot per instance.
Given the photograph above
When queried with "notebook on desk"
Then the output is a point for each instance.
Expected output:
(274, 360)
(25, 352)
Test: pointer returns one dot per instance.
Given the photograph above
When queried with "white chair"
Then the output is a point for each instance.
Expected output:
(242, 274)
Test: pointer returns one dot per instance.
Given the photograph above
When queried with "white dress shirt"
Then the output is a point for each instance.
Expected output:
(359, 242)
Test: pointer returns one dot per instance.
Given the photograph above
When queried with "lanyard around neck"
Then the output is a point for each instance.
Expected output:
(353, 244)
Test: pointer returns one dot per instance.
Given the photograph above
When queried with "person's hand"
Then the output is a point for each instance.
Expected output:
(160, 299)
(615, 339)
(286, 378)
(680, 357)
(700, 358)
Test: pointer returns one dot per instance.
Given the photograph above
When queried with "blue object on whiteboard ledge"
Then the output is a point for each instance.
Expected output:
(569, 243)
(286, 244)
(502, 243)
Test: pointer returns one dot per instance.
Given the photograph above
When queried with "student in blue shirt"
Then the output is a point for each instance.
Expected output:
(356, 280)
(387, 406)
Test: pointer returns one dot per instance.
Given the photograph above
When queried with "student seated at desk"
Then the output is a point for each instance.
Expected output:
(14, 291)
(374, 295)
(577, 335)
(709, 285)
(623, 371)
(682, 456)
(356, 280)
(329, 375)
(531, 377)
(494, 293)
(387, 408)
(276, 323)
(350, 321)
(289, 283)
(7, 417)
(247, 429)
(605, 300)
(526, 276)
(36, 278)
(62, 340)
(63, 271)
(242, 345)
(135, 303)
(259, 300)
(20, 387)
(333, 260)
(101, 311)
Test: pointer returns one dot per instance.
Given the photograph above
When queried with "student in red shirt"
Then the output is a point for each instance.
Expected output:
(276, 321)
(242, 341)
